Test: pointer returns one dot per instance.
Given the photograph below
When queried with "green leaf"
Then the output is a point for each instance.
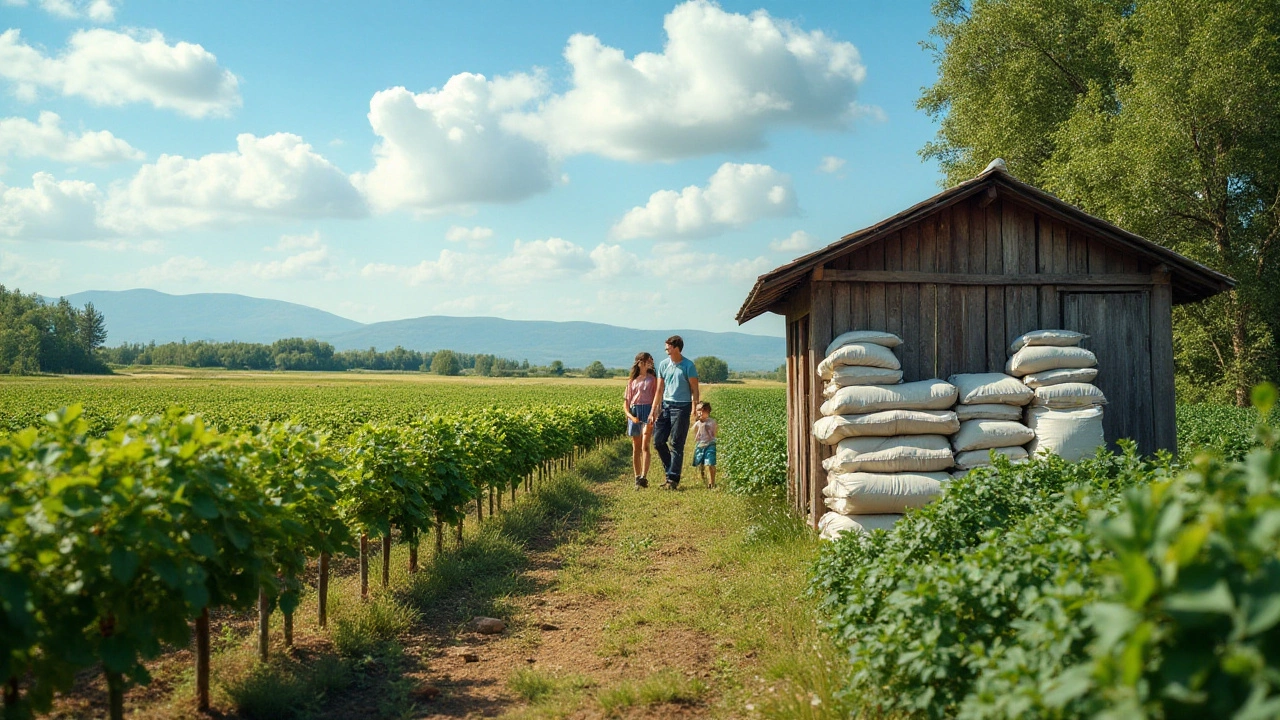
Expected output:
(124, 564)
(203, 545)
(1264, 398)
(1213, 599)
(204, 506)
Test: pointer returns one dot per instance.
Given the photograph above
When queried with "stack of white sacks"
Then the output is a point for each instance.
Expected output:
(990, 415)
(892, 451)
(1065, 414)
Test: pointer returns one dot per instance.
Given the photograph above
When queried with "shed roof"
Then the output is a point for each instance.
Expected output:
(1191, 281)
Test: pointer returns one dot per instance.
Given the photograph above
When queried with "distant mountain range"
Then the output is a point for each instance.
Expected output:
(145, 315)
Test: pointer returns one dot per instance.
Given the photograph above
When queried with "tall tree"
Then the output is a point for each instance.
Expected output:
(93, 327)
(1158, 116)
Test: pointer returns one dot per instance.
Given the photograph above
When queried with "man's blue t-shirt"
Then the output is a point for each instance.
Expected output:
(675, 379)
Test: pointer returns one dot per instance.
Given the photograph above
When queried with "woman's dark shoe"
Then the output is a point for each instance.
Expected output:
(641, 482)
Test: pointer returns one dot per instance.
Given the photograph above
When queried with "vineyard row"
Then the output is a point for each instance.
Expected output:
(112, 544)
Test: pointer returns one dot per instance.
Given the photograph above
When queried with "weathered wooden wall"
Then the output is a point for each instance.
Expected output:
(959, 285)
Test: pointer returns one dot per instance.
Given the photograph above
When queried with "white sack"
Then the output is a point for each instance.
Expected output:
(1072, 434)
(983, 434)
(1068, 395)
(832, 525)
(957, 474)
(1057, 377)
(834, 428)
(876, 337)
(910, 453)
(982, 458)
(1059, 338)
(863, 493)
(988, 412)
(846, 375)
(987, 388)
(921, 395)
(1038, 358)
(864, 354)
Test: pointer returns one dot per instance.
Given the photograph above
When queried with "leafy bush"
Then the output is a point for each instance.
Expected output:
(1114, 587)
(596, 370)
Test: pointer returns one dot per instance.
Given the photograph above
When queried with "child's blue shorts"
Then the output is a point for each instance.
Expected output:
(704, 455)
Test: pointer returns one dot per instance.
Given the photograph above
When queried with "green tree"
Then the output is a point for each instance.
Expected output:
(445, 362)
(1158, 116)
(484, 365)
(711, 369)
(556, 368)
(596, 369)
(93, 328)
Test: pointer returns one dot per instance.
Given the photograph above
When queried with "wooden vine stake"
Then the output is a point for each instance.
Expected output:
(115, 681)
(202, 661)
(323, 589)
(264, 624)
(386, 558)
(364, 566)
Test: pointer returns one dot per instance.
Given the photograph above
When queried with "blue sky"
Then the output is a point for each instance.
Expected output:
(635, 163)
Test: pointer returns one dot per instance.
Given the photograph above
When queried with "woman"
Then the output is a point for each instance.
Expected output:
(636, 403)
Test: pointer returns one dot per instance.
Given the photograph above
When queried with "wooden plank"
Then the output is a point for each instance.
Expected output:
(841, 308)
(875, 291)
(1028, 279)
(1077, 252)
(927, 315)
(996, 354)
(944, 239)
(1165, 431)
(858, 294)
(821, 334)
(1060, 248)
(1028, 257)
(893, 293)
(909, 353)
(1010, 237)
(1097, 257)
(1046, 264)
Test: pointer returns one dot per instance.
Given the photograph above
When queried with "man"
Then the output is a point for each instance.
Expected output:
(673, 403)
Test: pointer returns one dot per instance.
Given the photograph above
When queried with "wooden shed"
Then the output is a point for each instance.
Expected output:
(962, 274)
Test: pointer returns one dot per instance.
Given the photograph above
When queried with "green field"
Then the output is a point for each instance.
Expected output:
(329, 401)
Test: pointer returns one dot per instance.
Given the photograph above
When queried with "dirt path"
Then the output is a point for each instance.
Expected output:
(653, 607)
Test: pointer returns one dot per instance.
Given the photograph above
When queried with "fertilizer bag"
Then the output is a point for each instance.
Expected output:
(1068, 395)
(984, 434)
(922, 395)
(982, 458)
(834, 428)
(833, 525)
(875, 337)
(911, 453)
(1038, 358)
(993, 411)
(1057, 377)
(864, 354)
(988, 388)
(1057, 338)
(1072, 434)
(862, 493)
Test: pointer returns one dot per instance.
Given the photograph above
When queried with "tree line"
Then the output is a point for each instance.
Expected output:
(36, 336)
(308, 354)
(1157, 115)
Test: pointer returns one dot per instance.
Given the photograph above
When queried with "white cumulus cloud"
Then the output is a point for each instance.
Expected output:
(450, 147)
(99, 11)
(114, 68)
(677, 264)
(19, 269)
(313, 263)
(612, 261)
(797, 241)
(451, 268)
(275, 177)
(720, 83)
(831, 164)
(540, 260)
(45, 138)
(50, 210)
(471, 235)
(735, 196)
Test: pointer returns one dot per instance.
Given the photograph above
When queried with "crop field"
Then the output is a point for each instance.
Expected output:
(337, 402)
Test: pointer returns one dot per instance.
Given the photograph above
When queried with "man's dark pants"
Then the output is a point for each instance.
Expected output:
(672, 424)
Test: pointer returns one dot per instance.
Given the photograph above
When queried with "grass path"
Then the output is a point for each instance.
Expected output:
(618, 603)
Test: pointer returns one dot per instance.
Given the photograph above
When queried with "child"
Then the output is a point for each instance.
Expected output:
(704, 438)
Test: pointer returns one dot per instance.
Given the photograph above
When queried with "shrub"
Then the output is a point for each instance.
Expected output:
(596, 370)
(711, 369)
